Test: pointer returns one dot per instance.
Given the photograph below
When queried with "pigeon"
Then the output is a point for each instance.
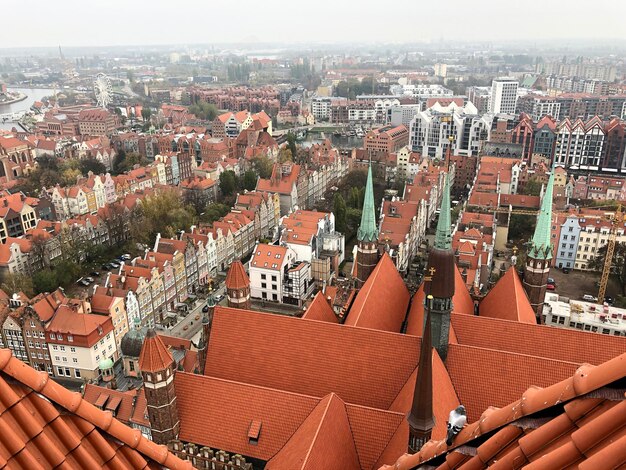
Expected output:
(456, 421)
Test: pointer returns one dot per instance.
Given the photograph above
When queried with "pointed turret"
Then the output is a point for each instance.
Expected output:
(421, 418)
(440, 276)
(367, 235)
(443, 237)
(540, 254)
(368, 230)
(238, 286)
(157, 370)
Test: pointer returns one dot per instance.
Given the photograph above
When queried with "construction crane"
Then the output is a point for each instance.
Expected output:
(608, 258)
(610, 249)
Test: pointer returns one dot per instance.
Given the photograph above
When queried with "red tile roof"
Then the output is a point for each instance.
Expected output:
(382, 302)
(43, 425)
(237, 278)
(323, 439)
(154, 354)
(320, 309)
(582, 423)
(268, 256)
(132, 403)
(361, 365)
(507, 300)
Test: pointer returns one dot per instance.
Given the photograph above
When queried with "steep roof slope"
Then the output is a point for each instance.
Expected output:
(507, 300)
(382, 302)
(361, 365)
(320, 309)
(44, 425)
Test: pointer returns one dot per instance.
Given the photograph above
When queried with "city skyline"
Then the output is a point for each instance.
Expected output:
(115, 24)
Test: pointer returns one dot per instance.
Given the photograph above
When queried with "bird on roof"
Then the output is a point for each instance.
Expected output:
(456, 420)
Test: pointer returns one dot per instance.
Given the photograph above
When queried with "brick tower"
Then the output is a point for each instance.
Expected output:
(157, 370)
(539, 256)
(440, 276)
(238, 286)
(203, 344)
(367, 235)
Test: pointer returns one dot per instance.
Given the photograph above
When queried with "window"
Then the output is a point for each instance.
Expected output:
(57, 358)
(77, 373)
(263, 276)
(60, 336)
(70, 338)
(131, 366)
(52, 336)
(274, 297)
(73, 350)
(67, 372)
(63, 348)
(74, 360)
(274, 278)
(95, 347)
(64, 359)
(60, 371)
(97, 357)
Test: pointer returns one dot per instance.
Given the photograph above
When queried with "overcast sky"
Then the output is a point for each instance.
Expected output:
(144, 22)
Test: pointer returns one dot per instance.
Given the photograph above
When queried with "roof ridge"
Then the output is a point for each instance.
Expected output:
(352, 433)
(41, 383)
(577, 364)
(330, 396)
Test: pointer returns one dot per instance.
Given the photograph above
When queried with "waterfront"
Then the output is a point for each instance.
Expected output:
(32, 95)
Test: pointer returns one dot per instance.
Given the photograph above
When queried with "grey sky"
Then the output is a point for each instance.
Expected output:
(125, 22)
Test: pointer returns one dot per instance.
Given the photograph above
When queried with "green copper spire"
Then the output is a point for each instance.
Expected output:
(368, 231)
(443, 237)
(541, 246)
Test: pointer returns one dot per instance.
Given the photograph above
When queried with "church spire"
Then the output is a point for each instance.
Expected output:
(367, 230)
(421, 419)
(443, 237)
(541, 245)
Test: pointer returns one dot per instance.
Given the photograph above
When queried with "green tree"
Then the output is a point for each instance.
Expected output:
(618, 263)
(45, 280)
(228, 182)
(531, 188)
(291, 143)
(521, 226)
(249, 180)
(353, 220)
(70, 176)
(146, 113)
(15, 283)
(162, 212)
(263, 166)
(204, 110)
(214, 212)
(124, 162)
(93, 165)
(285, 155)
(340, 211)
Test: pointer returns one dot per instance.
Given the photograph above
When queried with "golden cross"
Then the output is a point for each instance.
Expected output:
(432, 270)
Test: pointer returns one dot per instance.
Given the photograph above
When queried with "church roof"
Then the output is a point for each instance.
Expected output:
(443, 236)
(382, 302)
(577, 421)
(368, 230)
(508, 300)
(44, 425)
(320, 309)
(361, 365)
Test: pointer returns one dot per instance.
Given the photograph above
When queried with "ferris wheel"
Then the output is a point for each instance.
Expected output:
(102, 89)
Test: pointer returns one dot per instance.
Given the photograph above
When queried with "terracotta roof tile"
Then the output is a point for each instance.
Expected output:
(507, 300)
(362, 366)
(43, 425)
(320, 309)
(154, 354)
(382, 302)
(268, 256)
(237, 278)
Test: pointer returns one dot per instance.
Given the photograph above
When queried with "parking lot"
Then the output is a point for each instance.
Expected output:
(578, 283)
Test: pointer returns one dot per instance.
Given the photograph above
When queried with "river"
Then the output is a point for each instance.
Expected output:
(33, 94)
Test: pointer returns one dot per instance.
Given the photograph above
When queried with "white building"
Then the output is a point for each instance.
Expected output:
(320, 108)
(567, 313)
(420, 91)
(402, 114)
(80, 342)
(503, 96)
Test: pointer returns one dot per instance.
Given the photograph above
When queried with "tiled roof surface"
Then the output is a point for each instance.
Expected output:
(154, 354)
(578, 422)
(320, 309)
(268, 256)
(501, 377)
(507, 300)
(323, 439)
(361, 365)
(68, 321)
(43, 425)
(503, 335)
(237, 278)
(132, 404)
(382, 302)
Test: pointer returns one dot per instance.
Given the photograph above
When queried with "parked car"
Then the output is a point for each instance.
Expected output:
(609, 300)
(205, 309)
(551, 281)
(590, 298)
(114, 264)
(85, 282)
(566, 270)
(94, 273)
(89, 279)
(551, 287)
(126, 257)
(219, 297)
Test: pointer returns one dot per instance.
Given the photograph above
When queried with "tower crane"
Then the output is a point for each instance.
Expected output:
(608, 258)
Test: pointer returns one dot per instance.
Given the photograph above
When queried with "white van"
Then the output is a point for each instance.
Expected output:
(590, 298)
